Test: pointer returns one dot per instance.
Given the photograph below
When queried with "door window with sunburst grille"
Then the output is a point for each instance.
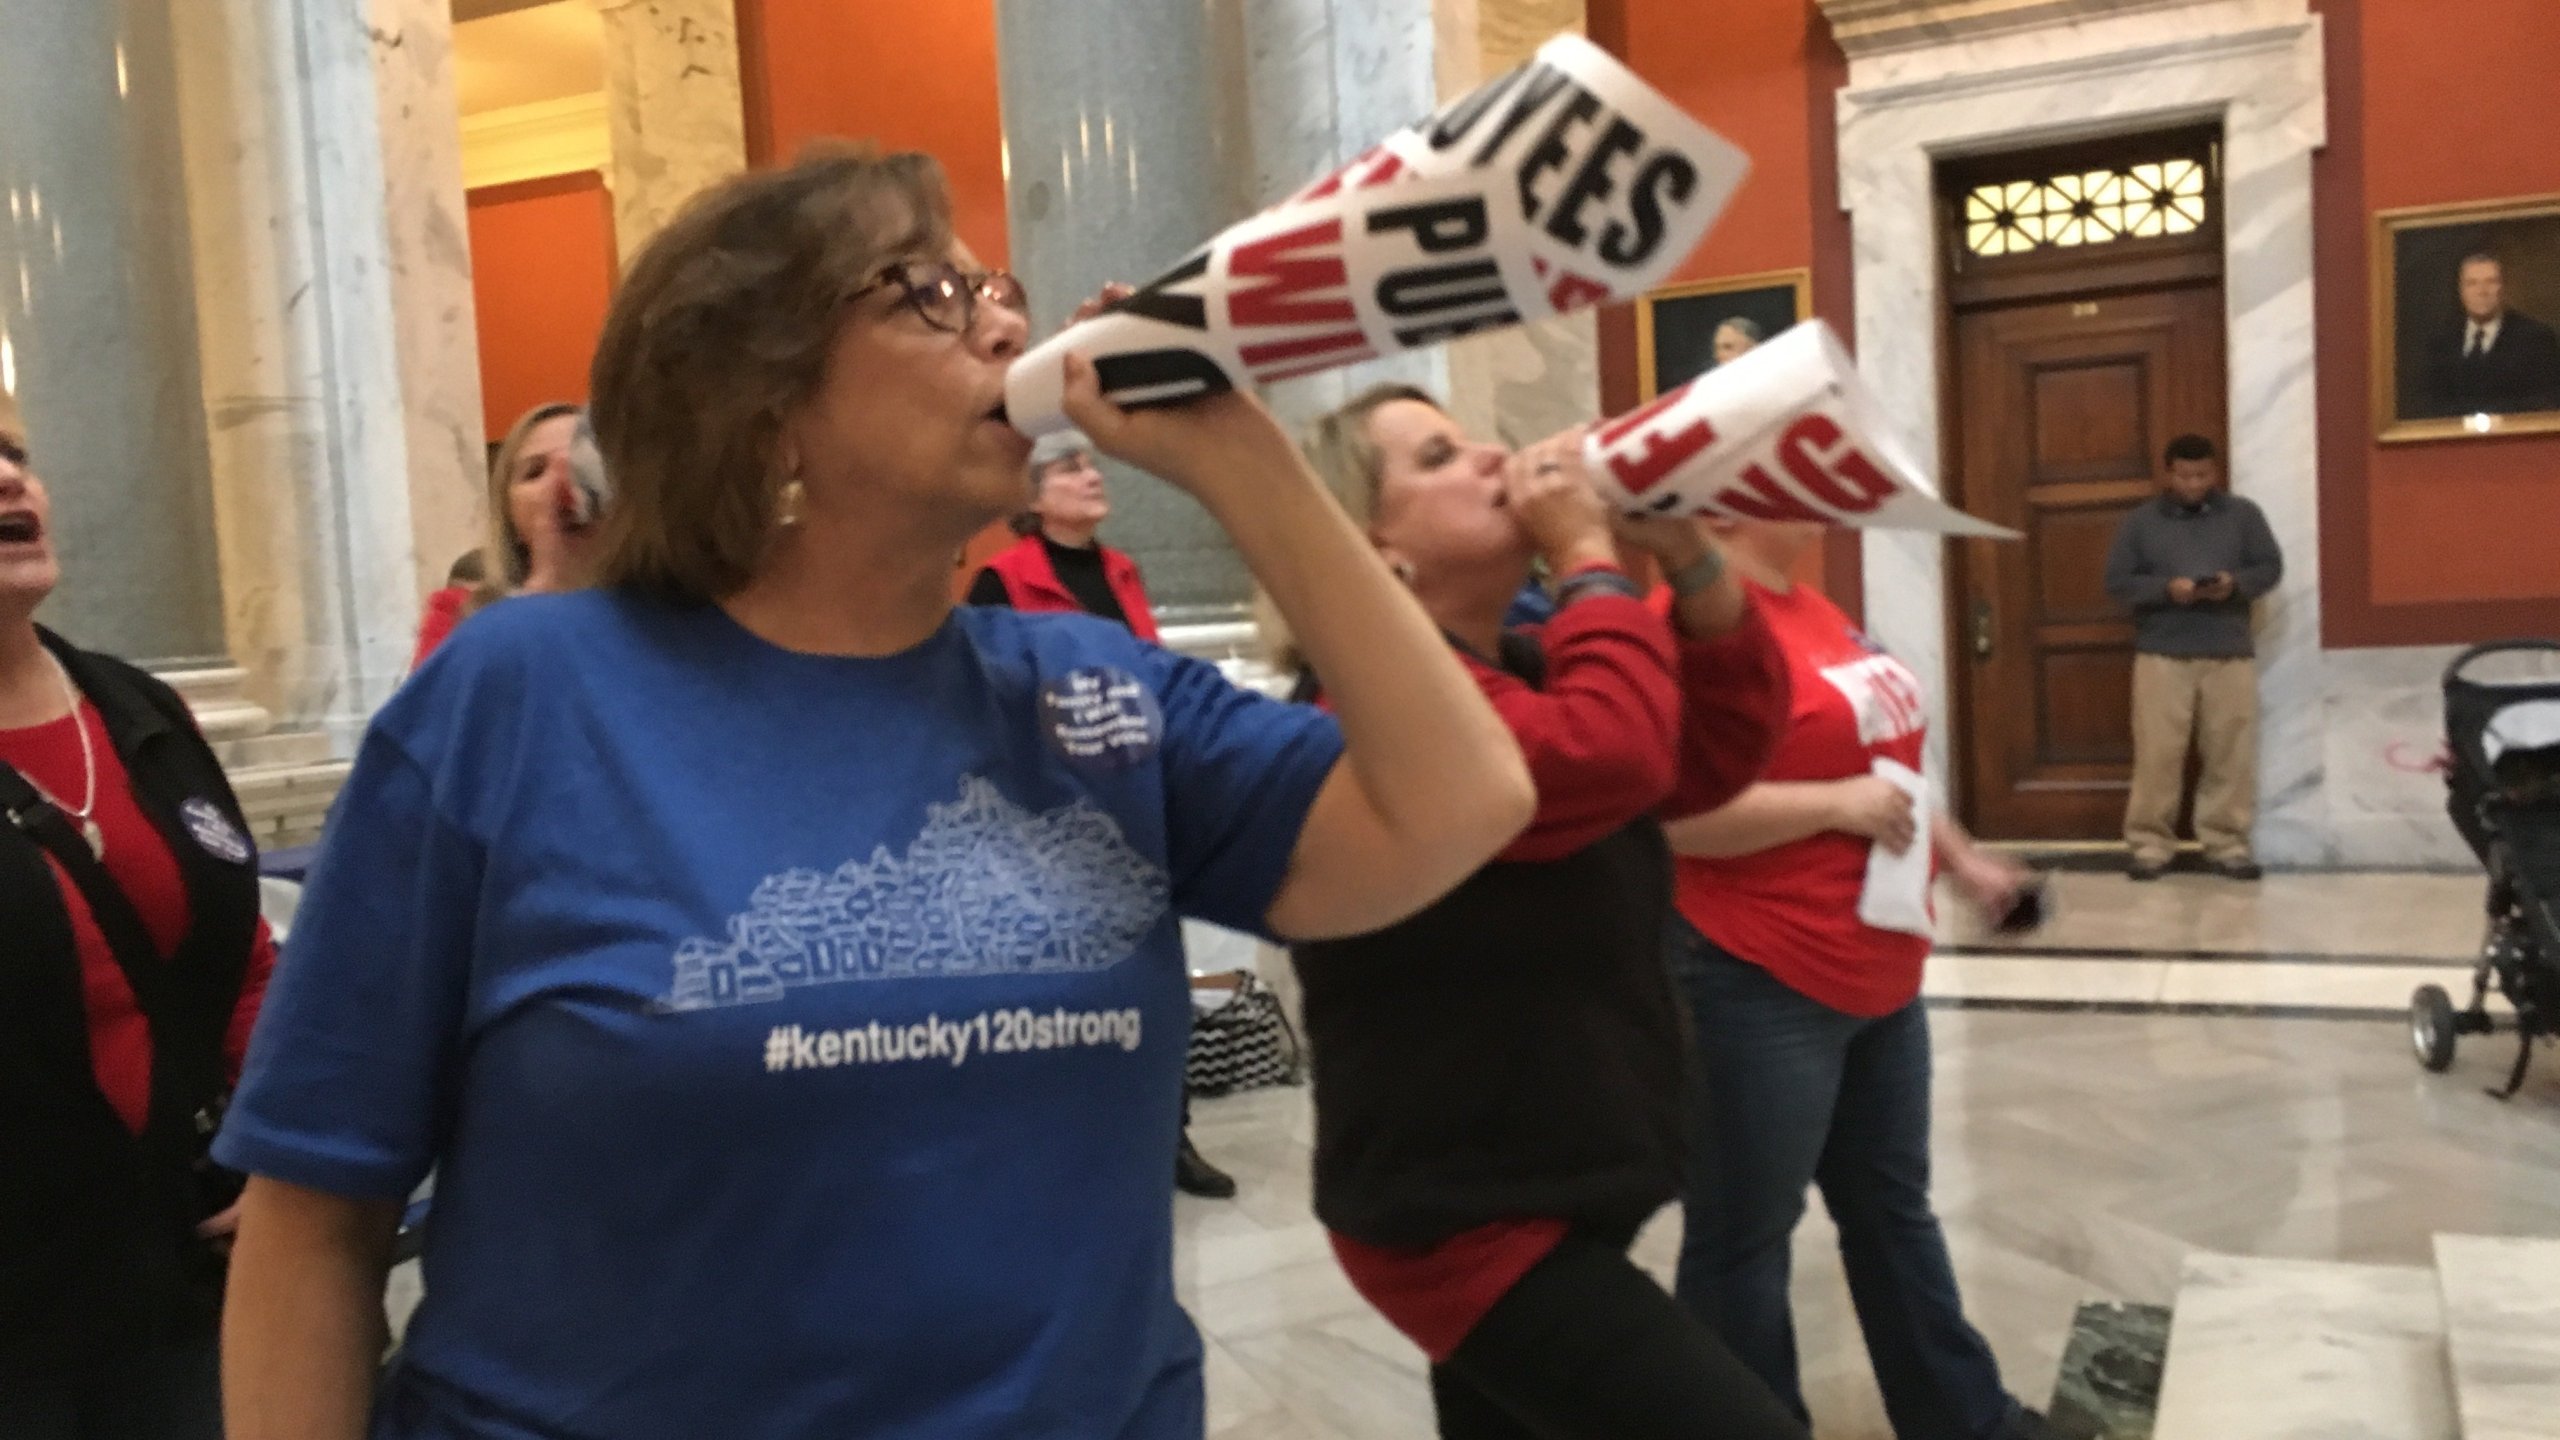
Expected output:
(2137, 201)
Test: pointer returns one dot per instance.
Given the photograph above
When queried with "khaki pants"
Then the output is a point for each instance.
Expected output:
(2216, 703)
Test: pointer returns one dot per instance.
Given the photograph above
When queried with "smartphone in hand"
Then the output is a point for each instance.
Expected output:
(2027, 910)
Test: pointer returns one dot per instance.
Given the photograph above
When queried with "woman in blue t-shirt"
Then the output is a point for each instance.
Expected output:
(779, 968)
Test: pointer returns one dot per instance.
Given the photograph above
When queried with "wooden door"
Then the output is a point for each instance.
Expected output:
(2064, 405)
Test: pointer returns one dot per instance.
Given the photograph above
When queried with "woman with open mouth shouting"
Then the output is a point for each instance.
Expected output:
(132, 961)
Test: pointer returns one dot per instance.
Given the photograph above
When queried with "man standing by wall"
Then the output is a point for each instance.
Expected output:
(2188, 565)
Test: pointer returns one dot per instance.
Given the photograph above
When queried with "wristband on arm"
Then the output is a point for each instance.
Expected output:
(1595, 580)
(1699, 574)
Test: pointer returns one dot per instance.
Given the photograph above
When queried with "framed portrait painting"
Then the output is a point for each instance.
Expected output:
(2466, 298)
(1684, 331)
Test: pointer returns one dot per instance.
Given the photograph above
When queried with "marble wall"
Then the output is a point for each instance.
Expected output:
(672, 97)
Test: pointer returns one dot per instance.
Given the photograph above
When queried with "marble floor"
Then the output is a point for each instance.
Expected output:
(2080, 1157)
(2327, 943)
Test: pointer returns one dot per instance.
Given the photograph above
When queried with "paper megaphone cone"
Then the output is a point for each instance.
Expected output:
(1564, 184)
(1786, 432)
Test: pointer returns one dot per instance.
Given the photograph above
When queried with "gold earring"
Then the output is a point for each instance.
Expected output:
(787, 511)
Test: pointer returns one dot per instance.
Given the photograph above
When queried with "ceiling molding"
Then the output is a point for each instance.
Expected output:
(483, 9)
(1874, 27)
(530, 142)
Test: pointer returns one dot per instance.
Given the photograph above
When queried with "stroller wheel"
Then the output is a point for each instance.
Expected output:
(2432, 1027)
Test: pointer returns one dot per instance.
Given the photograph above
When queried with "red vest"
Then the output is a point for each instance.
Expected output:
(1032, 583)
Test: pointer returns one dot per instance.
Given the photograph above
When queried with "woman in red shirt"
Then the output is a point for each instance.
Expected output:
(132, 963)
(1060, 564)
(1498, 1080)
(1800, 949)
(542, 513)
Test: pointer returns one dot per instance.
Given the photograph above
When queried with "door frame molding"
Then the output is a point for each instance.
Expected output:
(1971, 285)
(1904, 113)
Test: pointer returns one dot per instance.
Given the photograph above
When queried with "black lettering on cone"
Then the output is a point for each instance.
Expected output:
(1591, 181)
(1439, 227)
(1544, 83)
(1451, 125)
(1139, 379)
(1445, 330)
(1551, 151)
(1669, 172)
(1431, 289)
(1423, 291)
(1156, 303)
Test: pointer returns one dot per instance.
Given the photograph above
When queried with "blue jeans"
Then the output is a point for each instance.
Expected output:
(1790, 1092)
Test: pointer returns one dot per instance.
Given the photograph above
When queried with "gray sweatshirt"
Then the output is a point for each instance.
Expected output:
(2162, 540)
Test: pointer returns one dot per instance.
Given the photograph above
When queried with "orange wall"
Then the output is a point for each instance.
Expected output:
(542, 271)
(906, 75)
(2459, 520)
(1744, 75)
(1762, 76)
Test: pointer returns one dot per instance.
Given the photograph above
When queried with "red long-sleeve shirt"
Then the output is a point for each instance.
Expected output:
(1633, 719)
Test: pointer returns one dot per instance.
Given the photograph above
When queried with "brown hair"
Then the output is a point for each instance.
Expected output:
(721, 329)
(1341, 451)
(504, 557)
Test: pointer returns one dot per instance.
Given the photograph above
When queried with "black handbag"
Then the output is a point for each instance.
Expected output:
(44, 822)
(1244, 1044)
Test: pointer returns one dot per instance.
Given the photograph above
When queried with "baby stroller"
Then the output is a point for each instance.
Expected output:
(2502, 725)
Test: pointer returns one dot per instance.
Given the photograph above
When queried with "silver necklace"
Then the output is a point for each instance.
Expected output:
(89, 830)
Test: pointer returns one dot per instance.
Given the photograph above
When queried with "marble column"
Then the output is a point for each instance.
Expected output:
(418, 122)
(97, 324)
(298, 353)
(672, 99)
(1123, 151)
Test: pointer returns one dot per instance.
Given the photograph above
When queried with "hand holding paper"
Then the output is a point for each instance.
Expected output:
(1896, 895)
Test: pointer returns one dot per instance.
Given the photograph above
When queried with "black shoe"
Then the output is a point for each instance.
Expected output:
(2143, 869)
(1195, 1176)
(2242, 869)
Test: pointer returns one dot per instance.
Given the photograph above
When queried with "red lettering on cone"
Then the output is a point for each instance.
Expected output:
(1612, 431)
(1379, 164)
(1274, 278)
(1844, 479)
(1661, 451)
(1574, 291)
(1764, 500)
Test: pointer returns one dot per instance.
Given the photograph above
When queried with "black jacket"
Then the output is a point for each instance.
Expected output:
(2520, 373)
(96, 1224)
(1514, 1051)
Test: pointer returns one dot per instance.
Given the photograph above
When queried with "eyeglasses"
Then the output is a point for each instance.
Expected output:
(946, 297)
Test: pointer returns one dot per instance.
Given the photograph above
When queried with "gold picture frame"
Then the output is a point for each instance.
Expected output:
(1675, 325)
(2424, 388)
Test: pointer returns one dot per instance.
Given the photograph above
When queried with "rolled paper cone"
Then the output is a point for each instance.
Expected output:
(1785, 432)
(1565, 184)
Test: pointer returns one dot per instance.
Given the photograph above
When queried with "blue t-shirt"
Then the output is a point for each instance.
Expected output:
(798, 1040)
